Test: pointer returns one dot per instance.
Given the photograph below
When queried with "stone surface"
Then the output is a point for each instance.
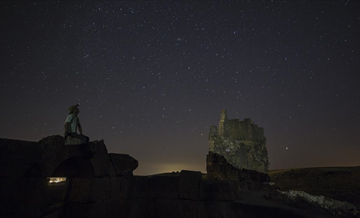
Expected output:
(100, 189)
(54, 196)
(115, 188)
(174, 208)
(163, 187)
(209, 209)
(25, 166)
(123, 164)
(91, 190)
(134, 187)
(219, 190)
(115, 208)
(326, 181)
(134, 208)
(91, 210)
(80, 190)
(189, 184)
(242, 143)
(16, 157)
(102, 165)
(54, 152)
(20, 197)
(74, 167)
(55, 214)
(218, 168)
(338, 208)
(98, 147)
(73, 141)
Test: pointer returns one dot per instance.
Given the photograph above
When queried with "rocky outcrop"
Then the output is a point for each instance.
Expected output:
(183, 194)
(123, 164)
(99, 184)
(17, 156)
(25, 168)
(218, 168)
(180, 195)
(338, 208)
(242, 143)
(340, 183)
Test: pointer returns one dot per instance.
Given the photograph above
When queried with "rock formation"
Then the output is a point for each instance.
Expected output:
(338, 208)
(340, 183)
(242, 143)
(218, 168)
(25, 168)
(99, 184)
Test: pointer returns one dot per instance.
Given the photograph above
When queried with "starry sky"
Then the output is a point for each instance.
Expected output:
(151, 77)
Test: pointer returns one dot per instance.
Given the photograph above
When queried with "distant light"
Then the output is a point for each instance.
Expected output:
(55, 180)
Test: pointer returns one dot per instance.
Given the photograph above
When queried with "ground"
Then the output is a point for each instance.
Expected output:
(340, 183)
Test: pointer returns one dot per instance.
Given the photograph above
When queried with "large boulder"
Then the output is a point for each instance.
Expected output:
(17, 156)
(326, 181)
(219, 190)
(123, 164)
(163, 187)
(54, 153)
(189, 184)
(22, 197)
(86, 190)
(102, 165)
(218, 168)
(134, 187)
(90, 174)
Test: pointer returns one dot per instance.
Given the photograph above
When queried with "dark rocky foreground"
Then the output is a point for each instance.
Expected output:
(340, 183)
(100, 184)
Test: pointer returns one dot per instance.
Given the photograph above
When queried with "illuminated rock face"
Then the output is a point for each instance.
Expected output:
(242, 143)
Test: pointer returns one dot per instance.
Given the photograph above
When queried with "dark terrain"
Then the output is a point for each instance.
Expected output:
(339, 183)
(102, 184)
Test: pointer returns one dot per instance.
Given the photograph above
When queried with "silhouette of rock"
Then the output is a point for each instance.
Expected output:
(340, 183)
(17, 156)
(26, 166)
(189, 184)
(99, 184)
(123, 164)
(218, 168)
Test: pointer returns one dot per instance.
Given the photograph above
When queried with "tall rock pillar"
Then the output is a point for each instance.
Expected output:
(223, 124)
(242, 143)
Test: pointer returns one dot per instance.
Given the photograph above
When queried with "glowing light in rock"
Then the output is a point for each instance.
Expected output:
(55, 180)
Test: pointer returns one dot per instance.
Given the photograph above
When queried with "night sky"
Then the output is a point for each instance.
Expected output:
(152, 77)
